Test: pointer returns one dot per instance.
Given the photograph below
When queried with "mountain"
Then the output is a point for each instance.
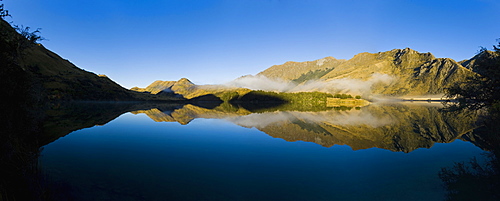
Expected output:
(411, 73)
(155, 87)
(49, 77)
(187, 89)
(302, 71)
(488, 60)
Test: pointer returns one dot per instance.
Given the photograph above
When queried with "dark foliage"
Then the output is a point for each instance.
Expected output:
(472, 180)
(477, 180)
(482, 89)
(33, 37)
(208, 101)
(3, 13)
(344, 96)
(258, 100)
(20, 177)
(312, 75)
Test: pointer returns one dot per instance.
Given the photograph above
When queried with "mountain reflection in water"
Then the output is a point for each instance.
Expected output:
(231, 149)
(396, 127)
(134, 157)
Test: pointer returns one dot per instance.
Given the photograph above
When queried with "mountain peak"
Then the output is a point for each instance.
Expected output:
(408, 56)
(184, 81)
(404, 51)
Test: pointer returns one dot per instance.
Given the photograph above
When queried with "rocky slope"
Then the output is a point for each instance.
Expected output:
(412, 73)
(302, 71)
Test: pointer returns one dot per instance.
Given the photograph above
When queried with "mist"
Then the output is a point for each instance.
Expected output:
(343, 85)
(260, 82)
(339, 118)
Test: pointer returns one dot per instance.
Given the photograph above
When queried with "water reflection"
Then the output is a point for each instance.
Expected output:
(209, 154)
(473, 179)
(396, 127)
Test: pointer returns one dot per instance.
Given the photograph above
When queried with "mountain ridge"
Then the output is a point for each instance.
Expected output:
(398, 72)
(416, 73)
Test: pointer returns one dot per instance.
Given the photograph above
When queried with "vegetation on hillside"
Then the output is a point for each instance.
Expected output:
(312, 75)
(482, 89)
(266, 101)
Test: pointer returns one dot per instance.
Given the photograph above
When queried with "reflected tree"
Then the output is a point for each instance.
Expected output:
(472, 180)
(476, 180)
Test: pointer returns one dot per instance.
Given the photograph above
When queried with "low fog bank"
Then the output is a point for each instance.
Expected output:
(344, 85)
(260, 82)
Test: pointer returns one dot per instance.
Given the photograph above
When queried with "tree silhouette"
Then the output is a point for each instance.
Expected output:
(3, 13)
(480, 90)
(32, 36)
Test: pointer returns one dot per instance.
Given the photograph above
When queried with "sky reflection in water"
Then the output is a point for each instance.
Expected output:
(134, 158)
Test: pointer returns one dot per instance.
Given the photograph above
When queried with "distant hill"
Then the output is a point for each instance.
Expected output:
(50, 77)
(412, 73)
(187, 89)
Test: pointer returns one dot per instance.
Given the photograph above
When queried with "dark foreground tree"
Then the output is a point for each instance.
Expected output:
(480, 90)
(477, 180)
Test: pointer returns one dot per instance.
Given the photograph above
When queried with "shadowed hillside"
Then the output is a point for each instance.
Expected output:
(53, 78)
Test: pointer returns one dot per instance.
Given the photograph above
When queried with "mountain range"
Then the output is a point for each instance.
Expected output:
(397, 73)
(409, 72)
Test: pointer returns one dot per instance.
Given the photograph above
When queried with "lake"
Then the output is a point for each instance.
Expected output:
(388, 151)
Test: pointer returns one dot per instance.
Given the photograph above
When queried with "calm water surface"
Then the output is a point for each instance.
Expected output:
(230, 158)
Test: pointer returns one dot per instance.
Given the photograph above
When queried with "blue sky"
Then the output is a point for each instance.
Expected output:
(136, 42)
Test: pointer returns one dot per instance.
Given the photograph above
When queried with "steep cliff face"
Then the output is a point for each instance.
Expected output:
(413, 73)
